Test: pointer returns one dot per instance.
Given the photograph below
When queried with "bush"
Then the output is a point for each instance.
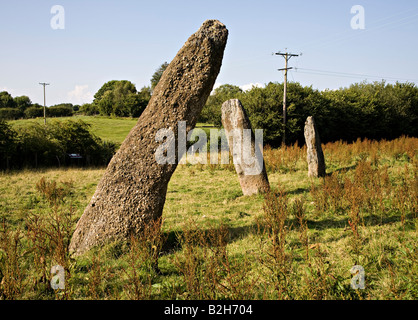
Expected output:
(10, 113)
(37, 145)
(59, 111)
(7, 144)
(89, 109)
(6, 100)
(34, 112)
(22, 103)
(75, 137)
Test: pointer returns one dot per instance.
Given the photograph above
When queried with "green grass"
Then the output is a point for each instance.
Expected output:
(111, 129)
(107, 128)
(199, 260)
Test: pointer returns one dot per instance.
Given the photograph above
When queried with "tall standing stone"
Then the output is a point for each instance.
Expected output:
(315, 156)
(247, 154)
(133, 189)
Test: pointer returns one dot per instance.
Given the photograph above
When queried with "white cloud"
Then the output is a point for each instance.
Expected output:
(249, 86)
(80, 95)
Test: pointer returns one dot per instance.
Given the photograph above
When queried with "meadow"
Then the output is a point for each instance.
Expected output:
(112, 129)
(298, 242)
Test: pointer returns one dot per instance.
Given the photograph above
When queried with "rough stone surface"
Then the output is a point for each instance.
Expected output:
(315, 156)
(133, 189)
(252, 177)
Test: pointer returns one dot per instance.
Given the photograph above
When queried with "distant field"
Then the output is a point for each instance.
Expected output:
(111, 129)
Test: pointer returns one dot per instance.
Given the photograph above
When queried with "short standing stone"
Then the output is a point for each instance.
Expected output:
(315, 156)
(133, 189)
(247, 154)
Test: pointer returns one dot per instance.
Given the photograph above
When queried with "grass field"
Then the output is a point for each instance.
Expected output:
(299, 242)
(110, 129)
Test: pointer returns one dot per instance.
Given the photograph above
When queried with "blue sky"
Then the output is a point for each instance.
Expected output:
(129, 40)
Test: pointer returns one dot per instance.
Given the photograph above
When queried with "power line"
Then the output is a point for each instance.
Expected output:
(348, 75)
(374, 26)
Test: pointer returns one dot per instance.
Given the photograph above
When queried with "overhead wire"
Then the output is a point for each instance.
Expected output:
(349, 75)
(344, 36)
(332, 40)
(336, 38)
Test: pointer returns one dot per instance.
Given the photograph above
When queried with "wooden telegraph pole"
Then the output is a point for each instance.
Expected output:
(286, 57)
(44, 84)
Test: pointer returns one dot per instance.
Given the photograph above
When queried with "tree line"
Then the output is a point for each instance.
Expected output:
(118, 98)
(35, 145)
(375, 110)
(363, 110)
(22, 107)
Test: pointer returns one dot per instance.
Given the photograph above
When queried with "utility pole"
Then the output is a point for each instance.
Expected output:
(286, 57)
(44, 84)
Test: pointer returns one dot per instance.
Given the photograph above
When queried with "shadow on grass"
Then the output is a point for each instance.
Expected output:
(298, 191)
(368, 221)
(344, 169)
(172, 242)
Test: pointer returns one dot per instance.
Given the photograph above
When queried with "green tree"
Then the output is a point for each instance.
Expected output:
(108, 86)
(212, 111)
(22, 103)
(7, 144)
(145, 93)
(134, 105)
(89, 109)
(157, 75)
(138, 102)
(60, 110)
(36, 146)
(119, 98)
(123, 98)
(34, 111)
(302, 102)
(264, 107)
(6, 100)
(105, 104)
(399, 109)
(10, 113)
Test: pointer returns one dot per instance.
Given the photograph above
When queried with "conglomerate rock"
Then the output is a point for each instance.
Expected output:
(133, 189)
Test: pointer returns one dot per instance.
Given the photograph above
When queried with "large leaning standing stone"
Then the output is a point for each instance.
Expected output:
(315, 156)
(247, 156)
(133, 189)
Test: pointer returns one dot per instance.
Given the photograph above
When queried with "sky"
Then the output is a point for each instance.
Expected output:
(98, 41)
